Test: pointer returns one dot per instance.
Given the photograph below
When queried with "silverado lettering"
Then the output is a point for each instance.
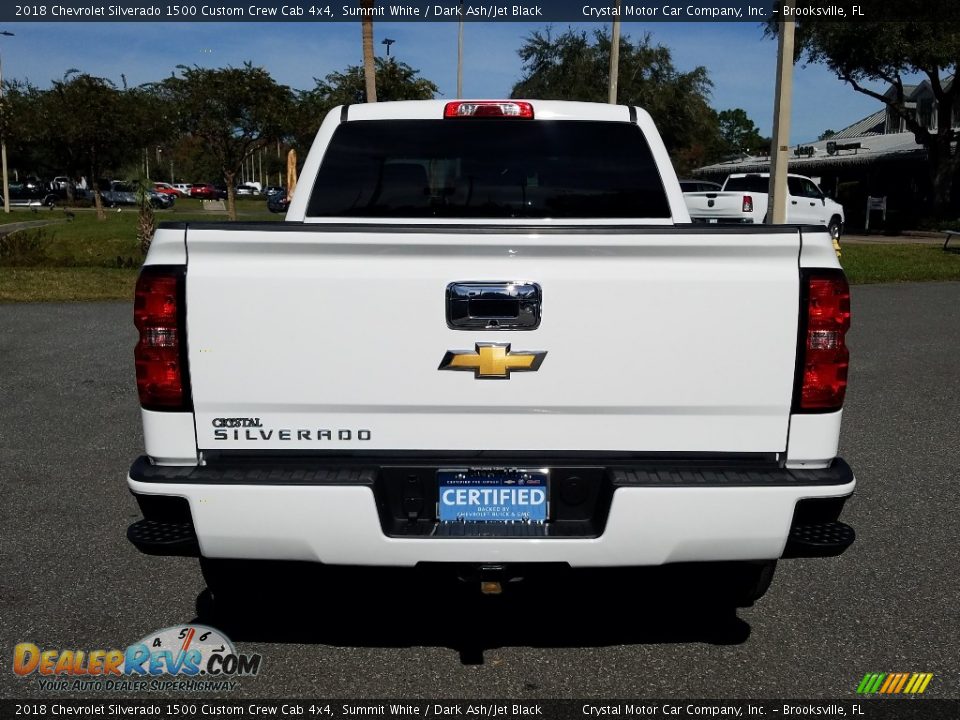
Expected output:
(287, 435)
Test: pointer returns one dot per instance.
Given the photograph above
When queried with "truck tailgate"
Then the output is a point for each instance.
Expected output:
(329, 337)
(721, 206)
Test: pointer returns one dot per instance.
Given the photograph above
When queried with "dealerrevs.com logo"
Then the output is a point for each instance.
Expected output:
(180, 658)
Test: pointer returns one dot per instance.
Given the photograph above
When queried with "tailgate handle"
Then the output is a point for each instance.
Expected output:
(493, 306)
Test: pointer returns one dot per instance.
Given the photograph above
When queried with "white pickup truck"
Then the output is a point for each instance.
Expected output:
(487, 334)
(743, 199)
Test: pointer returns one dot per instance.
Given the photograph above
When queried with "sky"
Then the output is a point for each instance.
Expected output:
(740, 61)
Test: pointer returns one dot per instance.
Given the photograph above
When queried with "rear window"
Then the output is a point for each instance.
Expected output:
(748, 183)
(698, 186)
(488, 169)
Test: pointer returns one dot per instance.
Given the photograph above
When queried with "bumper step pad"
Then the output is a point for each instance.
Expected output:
(823, 539)
(156, 537)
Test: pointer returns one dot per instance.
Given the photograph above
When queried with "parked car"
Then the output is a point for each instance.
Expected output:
(22, 195)
(204, 191)
(115, 193)
(183, 188)
(162, 200)
(34, 183)
(165, 189)
(274, 189)
(278, 202)
(743, 199)
(246, 190)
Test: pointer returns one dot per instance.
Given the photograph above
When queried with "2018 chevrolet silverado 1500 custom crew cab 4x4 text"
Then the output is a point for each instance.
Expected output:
(487, 334)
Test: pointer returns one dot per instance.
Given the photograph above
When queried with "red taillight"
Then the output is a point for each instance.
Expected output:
(161, 375)
(826, 358)
(747, 203)
(488, 109)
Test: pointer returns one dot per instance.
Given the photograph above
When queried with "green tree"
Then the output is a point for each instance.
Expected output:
(826, 134)
(738, 133)
(863, 53)
(576, 66)
(395, 81)
(185, 159)
(21, 116)
(85, 121)
(233, 112)
(156, 121)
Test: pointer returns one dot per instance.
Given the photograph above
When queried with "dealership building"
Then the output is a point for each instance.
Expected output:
(874, 157)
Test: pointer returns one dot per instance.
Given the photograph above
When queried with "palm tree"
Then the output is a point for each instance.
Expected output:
(369, 69)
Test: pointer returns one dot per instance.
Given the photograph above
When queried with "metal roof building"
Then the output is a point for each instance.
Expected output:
(873, 157)
(815, 158)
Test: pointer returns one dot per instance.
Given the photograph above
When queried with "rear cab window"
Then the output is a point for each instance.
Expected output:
(496, 168)
(747, 183)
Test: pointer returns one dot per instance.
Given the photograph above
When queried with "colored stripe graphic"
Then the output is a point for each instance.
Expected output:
(901, 682)
(864, 684)
(875, 683)
(923, 686)
(894, 683)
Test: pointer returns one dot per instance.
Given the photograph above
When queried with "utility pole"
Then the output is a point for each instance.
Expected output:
(369, 63)
(780, 144)
(3, 141)
(460, 55)
(614, 54)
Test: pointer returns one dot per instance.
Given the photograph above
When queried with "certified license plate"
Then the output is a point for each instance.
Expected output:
(492, 495)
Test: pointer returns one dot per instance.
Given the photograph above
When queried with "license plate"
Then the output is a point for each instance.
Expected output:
(492, 495)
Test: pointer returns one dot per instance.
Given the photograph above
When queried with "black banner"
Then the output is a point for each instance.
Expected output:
(871, 709)
(543, 11)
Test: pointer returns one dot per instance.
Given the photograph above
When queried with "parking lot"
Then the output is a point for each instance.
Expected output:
(69, 427)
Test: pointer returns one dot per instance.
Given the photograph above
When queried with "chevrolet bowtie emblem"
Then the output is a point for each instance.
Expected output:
(493, 361)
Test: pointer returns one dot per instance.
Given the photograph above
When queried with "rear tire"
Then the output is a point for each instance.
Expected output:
(238, 585)
(749, 581)
(243, 585)
(835, 227)
(727, 584)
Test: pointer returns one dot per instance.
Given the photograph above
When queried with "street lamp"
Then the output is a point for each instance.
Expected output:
(3, 140)
(388, 42)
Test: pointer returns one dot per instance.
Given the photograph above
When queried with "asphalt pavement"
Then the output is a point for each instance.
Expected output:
(69, 427)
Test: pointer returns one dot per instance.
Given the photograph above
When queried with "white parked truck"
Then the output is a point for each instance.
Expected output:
(487, 334)
(743, 199)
